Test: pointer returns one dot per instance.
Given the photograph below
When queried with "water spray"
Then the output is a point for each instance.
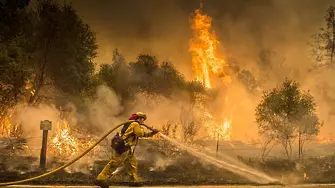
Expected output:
(250, 174)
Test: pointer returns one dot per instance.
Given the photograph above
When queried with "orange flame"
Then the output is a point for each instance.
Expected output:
(225, 130)
(221, 130)
(66, 142)
(203, 47)
(305, 176)
(9, 129)
(207, 64)
(5, 126)
(63, 144)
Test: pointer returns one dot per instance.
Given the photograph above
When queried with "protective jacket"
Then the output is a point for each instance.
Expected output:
(130, 135)
(133, 132)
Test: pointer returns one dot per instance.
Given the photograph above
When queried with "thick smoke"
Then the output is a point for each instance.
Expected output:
(30, 118)
(104, 110)
(246, 29)
(103, 114)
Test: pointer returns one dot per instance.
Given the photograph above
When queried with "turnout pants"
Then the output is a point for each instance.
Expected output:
(130, 164)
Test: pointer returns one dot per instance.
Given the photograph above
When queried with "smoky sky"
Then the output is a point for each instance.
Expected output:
(243, 27)
(162, 27)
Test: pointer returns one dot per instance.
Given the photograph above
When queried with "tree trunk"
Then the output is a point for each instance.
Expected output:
(302, 156)
(267, 150)
(285, 145)
(299, 140)
(333, 45)
(33, 97)
(290, 147)
(301, 149)
(40, 79)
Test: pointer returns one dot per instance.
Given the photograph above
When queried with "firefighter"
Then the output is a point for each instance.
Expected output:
(129, 135)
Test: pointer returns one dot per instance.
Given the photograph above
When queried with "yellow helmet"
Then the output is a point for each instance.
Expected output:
(141, 115)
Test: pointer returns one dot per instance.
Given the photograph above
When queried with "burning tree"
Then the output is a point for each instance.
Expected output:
(286, 113)
(203, 49)
(206, 65)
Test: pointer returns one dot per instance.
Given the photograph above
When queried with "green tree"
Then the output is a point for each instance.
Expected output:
(62, 49)
(168, 79)
(309, 124)
(13, 77)
(323, 45)
(145, 75)
(142, 73)
(44, 47)
(14, 69)
(285, 113)
(194, 88)
(14, 19)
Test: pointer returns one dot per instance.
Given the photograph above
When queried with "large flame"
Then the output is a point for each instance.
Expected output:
(203, 49)
(206, 64)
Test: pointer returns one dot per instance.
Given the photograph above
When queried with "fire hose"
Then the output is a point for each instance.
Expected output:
(73, 160)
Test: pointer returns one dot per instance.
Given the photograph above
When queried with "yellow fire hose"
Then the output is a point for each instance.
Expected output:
(70, 162)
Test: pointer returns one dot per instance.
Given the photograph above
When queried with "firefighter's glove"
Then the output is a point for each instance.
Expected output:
(154, 131)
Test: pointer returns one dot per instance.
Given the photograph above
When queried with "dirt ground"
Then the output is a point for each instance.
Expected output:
(161, 164)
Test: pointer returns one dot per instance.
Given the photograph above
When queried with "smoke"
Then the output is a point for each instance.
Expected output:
(245, 30)
(159, 109)
(104, 110)
(73, 116)
(103, 114)
(161, 164)
(30, 118)
(283, 28)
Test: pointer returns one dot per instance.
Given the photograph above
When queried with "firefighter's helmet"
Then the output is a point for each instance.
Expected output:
(141, 115)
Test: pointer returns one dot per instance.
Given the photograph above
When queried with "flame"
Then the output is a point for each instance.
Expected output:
(305, 176)
(66, 142)
(7, 128)
(206, 64)
(216, 129)
(62, 142)
(203, 47)
(224, 130)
